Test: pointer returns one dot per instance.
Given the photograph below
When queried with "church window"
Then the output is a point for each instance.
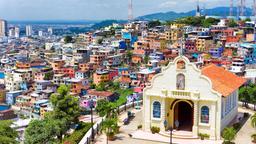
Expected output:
(180, 82)
(156, 109)
(204, 114)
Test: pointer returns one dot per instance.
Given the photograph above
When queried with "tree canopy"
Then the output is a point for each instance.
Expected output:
(7, 134)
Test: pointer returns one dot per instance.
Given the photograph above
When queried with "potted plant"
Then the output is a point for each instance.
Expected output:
(155, 129)
(139, 126)
(110, 127)
(228, 134)
(203, 136)
(253, 138)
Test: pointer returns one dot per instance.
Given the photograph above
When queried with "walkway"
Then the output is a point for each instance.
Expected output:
(244, 135)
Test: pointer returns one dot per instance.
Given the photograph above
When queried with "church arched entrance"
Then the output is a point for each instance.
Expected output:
(183, 116)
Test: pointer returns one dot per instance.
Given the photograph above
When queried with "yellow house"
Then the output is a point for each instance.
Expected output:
(191, 100)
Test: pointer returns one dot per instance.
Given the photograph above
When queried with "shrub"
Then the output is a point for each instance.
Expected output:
(237, 126)
(78, 134)
(155, 129)
(203, 136)
(139, 126)
(229, 134)
(253, 136)
(246, 115)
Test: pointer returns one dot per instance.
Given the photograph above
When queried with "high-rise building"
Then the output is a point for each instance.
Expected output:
(17, 32)
(3, 28)
(11, 32)
(28, 30)
(50, 31)
(40, 33)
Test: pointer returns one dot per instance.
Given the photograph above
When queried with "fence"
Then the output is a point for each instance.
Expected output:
(96, 127)
(251, 106)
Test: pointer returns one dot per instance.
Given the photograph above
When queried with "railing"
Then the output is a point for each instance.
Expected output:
(96, 127)
(181, 93)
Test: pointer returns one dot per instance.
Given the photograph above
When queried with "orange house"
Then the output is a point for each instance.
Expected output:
(57, 64)
(21, 65)
(233, 39)
(100, 76)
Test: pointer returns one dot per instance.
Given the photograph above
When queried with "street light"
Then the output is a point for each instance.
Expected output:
(171, 129)
(91, 105)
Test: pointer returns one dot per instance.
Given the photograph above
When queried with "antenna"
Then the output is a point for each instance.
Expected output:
(231, 8)
(254, 7)
(130, 11)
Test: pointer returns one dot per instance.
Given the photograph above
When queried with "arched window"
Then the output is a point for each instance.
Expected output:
(181, 64)
(180, 82)
(204, 114)
(156, 109)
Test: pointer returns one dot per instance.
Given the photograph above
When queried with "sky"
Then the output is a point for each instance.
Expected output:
(94, 9)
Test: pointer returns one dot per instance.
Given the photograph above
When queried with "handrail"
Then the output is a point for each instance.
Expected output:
(87, 137)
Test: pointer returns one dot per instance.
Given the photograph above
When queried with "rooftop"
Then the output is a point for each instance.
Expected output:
(223, 81)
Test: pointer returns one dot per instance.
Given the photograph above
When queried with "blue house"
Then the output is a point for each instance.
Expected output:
(11, 97)
(216, 52)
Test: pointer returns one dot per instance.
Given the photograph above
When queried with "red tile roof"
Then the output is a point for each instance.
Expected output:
(223, 81)
(100, 93)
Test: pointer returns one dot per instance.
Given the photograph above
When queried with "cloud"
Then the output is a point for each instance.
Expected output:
(93, 9)
(168, 4)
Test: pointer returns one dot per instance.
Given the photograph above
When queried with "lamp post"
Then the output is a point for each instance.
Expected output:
(171, 129)
(91, 104)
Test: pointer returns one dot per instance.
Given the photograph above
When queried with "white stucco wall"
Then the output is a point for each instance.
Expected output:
(161, 86)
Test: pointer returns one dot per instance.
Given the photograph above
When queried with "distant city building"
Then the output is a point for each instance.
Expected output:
(28, 30)
(17, 32)
(11, 32)
(40, 33)
(3, 28)
(50, 31)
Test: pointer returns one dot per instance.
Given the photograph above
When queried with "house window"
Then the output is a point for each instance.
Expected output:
(156, 109)
(180, 82)
(204, 114)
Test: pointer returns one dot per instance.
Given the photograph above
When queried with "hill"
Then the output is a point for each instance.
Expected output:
(171, 15)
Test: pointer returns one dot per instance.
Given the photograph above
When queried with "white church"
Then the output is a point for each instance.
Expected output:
(199, 100)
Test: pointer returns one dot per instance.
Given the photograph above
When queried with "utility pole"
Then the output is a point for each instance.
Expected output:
(130, 11)
(231, 8)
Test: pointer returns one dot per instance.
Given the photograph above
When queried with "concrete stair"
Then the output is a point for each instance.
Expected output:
(179, 134)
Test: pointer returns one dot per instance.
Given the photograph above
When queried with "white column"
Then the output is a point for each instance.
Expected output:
(163, 114)
(195, 119)
(147, 113)
(212, 118)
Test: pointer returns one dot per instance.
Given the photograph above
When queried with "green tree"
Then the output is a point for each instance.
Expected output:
(153, 24)
(66, 109)
(101, 107)
(7, 134)
(229, 134)
(40, 132)
(101, 86)
(110, 127)
(128, 56)
(68, 39)
(209, 21)
(253, 120)
(244, 95)
(146, 59)
(232, 23)
(48, 76)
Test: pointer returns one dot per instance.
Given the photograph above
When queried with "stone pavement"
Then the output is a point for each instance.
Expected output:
(139, 137)
(244, 135)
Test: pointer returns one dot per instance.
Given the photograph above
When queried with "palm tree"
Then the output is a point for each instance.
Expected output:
(253, 136)
(253, 120)
(110, 127)
(228, 134)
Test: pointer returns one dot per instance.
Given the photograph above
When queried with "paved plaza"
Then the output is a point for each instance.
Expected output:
(243, 136)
